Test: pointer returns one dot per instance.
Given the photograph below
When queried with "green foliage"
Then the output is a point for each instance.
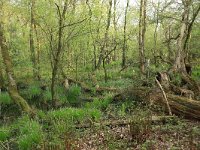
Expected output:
(73, 94)
(62, 94)
(46, 95)
(196, 73)
(101, 104)
(5, 98)
(4, 133)
(30, 133)
(71, 115)
(33, 91)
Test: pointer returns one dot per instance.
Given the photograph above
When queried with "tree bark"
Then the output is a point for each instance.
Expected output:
(125, 40)
(179, 64)
(115, 30)
(12, 87)
(31, 39)
(103, 48)
(57, 54)
(142, 30)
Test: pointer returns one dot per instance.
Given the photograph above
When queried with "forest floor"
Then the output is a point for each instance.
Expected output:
(64, 127)
(162, 137)
(174, 134)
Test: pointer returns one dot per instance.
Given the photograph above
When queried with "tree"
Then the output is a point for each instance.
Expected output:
(102, 55)
(12, 86)
(125, 38)
(142, 30)
(59, 49)
(32, 48)
(180, 54)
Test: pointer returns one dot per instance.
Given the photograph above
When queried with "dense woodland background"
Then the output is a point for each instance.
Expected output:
(99, 74)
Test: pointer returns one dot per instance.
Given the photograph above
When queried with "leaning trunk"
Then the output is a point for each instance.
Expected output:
(12, 87)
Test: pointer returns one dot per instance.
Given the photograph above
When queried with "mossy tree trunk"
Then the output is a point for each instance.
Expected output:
(12, 87)
(59, 49)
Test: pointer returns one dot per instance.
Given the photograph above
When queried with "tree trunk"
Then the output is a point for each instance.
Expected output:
(12, 87)
(115, 31)
(103, 48)
(179, 64)
(31, 40)
(56, 58)
(37, 53)
(125, 40)
(142, 30)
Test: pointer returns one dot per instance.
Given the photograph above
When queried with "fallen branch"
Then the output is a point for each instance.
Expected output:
(165, 97)
(179, 105)
(88, 89)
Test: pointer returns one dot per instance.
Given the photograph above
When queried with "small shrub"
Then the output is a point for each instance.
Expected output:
(99, 104)
(94, 114)
(46, 95)
(73, 94)
(33, 91)
(140, 126)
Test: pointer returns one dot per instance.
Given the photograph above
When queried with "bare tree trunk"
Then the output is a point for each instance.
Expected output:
(171, 53)
(12, 87)
(56, 59)
(93, 38)
(125, 40)
(115, 30)
(142, 30)
(156, 13)
(103, 48)
(37, 53)
(31, 40)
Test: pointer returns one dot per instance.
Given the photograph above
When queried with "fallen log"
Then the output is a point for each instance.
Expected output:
(181, 106)
(154, 121)
(86, 88)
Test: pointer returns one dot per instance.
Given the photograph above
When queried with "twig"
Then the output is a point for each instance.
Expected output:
(165, 97)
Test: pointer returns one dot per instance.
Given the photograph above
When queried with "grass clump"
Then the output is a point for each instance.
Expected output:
(4, 133)
(73, 94)
(30, 133)
(5, 98)
(73, 115)
(32, 92)
(100, 104)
